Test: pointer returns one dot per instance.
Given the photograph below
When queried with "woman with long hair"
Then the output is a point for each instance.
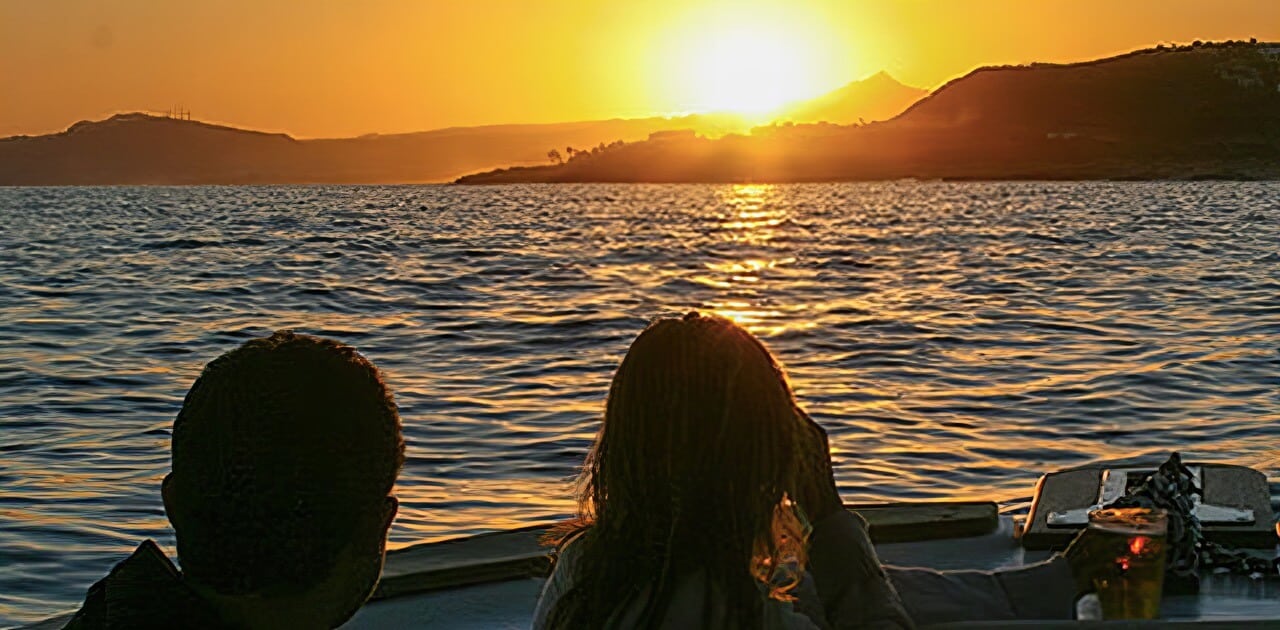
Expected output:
(694, 503)
(694, 507)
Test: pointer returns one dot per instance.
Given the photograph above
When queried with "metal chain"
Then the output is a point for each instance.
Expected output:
(1172, 487)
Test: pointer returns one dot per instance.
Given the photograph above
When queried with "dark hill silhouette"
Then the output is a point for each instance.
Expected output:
(1214, 91)
(1204, 111)
(878, 97)
(146, 149)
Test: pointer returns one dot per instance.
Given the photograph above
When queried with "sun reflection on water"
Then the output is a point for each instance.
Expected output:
(756, 267)
(750, 214)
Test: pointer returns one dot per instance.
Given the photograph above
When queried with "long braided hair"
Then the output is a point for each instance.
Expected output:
(691, 472)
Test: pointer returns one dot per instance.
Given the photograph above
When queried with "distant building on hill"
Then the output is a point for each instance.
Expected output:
(674, 134)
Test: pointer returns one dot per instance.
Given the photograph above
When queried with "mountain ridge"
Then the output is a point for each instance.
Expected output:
(1207, 111)
(874, 98)
(140, 148)
(148, 149)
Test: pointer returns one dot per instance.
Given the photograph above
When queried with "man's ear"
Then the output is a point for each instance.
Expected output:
(167, 494)
(389, 507)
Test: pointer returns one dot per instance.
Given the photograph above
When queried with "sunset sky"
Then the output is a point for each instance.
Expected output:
(318, 68)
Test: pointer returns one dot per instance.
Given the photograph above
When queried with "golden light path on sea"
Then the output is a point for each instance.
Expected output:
(751, 221)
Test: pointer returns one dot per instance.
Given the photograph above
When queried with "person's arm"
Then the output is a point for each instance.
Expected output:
(851, 584)
(1039, 591)
(1046, 591)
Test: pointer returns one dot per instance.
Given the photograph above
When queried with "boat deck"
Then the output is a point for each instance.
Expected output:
(912, 535)
(492, 581)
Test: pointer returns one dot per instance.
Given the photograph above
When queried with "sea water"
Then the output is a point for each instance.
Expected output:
(957, 340)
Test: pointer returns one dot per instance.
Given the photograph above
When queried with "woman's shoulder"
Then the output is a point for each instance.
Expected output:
(568, 549)
(564, 558)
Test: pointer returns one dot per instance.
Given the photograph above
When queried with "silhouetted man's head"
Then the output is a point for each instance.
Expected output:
(284, 456)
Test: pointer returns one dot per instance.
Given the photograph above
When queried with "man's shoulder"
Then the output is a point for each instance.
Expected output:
(145, 590)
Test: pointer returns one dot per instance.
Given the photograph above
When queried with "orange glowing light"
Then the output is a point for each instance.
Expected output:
(751, 62)
(1138, 544)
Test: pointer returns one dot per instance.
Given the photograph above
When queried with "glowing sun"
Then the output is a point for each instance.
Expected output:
(745, 67)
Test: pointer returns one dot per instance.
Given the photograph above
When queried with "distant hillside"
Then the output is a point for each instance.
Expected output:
(1203, 111)
(1216, 91)
(145, 149)
(878, 97)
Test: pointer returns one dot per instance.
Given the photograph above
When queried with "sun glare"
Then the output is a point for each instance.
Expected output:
(748, 70)
(746, 67)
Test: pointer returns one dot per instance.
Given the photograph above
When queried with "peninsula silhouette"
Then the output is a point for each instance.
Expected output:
(139, 148)
(1203, 111)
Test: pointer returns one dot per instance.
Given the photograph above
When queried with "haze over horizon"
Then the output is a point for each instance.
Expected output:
(333, 69)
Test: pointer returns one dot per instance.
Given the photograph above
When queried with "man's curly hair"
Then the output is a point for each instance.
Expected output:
(283, 446)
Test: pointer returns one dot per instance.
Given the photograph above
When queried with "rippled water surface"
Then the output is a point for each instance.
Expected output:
(957, 340)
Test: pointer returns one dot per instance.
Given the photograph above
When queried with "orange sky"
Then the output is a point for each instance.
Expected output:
(340, 68)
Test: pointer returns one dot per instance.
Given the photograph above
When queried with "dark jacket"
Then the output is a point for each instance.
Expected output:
(143, 592)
